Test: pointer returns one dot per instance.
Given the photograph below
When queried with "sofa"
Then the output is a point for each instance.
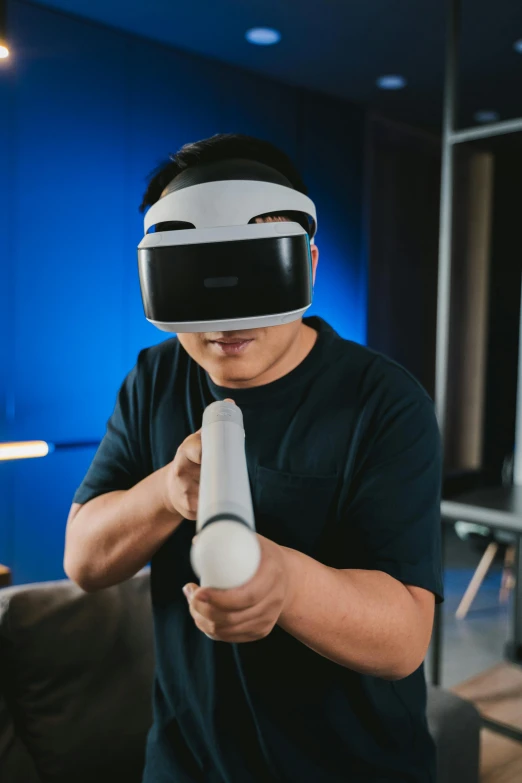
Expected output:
(76, 680)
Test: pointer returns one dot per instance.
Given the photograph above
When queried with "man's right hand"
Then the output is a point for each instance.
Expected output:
(116, 533)
(182, 478)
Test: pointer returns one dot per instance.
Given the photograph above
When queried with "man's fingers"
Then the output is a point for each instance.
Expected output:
(237, 599)
(192, 448)
(221, 625)
(192, 444)
(220, 619)
(232, 600)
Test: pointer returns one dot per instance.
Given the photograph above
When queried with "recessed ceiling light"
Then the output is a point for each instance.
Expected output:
(391, 82)
(486, 116)
(517, 46)
(4, 52)
(263, 36)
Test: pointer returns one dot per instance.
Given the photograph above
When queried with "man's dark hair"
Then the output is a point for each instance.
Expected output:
(223, 146)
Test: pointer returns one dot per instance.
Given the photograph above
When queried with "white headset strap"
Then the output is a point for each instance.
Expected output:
(227, 203)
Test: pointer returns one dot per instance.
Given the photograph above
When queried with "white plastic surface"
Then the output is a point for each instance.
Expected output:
(226, 553)
(224, 486)
(204, 236)
(257, 322)
(227, 203)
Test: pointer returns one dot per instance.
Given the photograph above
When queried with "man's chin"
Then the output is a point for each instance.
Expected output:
(228, 373)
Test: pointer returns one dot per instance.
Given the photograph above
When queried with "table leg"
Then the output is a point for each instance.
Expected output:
(514, 646)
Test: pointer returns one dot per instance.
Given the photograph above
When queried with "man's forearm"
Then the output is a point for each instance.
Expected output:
(113, 536)
(363, 620)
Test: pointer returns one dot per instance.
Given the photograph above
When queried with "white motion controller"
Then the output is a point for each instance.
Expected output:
(226, 553)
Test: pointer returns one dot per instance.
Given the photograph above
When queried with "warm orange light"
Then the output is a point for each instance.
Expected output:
(4, 52)
(24, 450)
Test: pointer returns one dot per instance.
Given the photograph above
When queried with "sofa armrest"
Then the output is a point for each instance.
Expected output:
(455, 727)
(76, 672)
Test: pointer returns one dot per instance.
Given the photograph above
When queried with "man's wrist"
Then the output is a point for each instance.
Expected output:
(295, 573)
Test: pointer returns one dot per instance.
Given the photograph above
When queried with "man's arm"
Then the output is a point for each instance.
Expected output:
(115, 534)
(377, 618)
(364, 620)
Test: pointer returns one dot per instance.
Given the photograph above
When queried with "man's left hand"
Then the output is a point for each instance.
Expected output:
(246, 613)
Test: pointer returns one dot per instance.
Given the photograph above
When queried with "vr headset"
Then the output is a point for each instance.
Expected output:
(205, 264)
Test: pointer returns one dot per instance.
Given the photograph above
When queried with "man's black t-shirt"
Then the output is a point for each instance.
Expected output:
(344, 460)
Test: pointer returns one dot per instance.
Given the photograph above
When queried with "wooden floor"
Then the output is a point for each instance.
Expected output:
(501, 759)
(497, 693)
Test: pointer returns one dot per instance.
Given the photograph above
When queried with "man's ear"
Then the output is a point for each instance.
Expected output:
(315, 260)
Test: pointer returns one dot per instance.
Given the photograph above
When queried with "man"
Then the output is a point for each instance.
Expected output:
(313, 670)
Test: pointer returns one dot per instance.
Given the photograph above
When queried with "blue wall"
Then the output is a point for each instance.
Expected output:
(87, 112)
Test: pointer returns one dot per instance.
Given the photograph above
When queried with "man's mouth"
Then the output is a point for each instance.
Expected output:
(231, 346)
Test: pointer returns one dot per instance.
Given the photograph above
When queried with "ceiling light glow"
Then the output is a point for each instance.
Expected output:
(263, 36)
(391, 82)
(486, 116)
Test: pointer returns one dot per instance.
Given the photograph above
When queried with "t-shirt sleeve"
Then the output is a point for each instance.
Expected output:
(118, 463)
(394, 509)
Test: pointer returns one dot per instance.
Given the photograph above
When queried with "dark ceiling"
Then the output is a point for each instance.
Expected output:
(340, 47)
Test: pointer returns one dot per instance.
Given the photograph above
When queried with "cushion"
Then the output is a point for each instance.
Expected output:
(455, 726)
(76, 675)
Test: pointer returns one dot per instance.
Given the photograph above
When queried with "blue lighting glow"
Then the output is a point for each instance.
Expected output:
(486, 116)
(263, 36)
(517, 46)
(391, 82)
(61, 378)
